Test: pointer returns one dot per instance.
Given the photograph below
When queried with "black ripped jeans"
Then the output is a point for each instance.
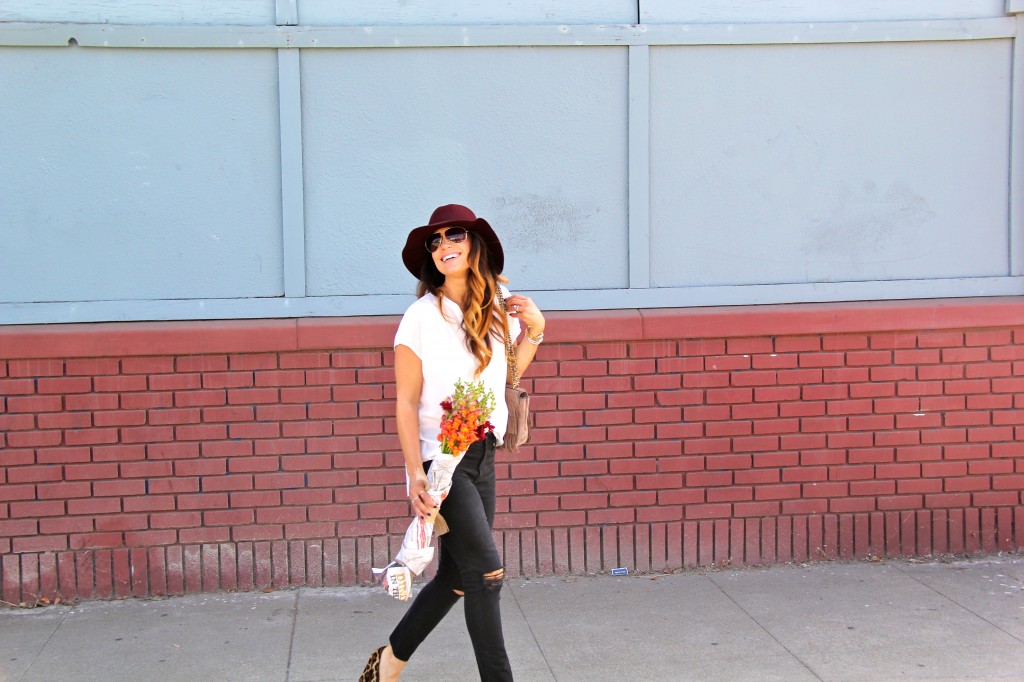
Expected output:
(467, 555)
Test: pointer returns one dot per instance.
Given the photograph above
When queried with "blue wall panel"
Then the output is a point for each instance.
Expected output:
(826, 163)
(674, 11)
(140, 11)
(139, 174)
(721, 152)
(460, 12)
(534, 139)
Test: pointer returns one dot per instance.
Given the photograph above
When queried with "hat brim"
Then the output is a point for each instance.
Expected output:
(415, 251)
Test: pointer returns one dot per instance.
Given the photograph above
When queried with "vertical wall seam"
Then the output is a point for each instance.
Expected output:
(293, 221)
(287, 12)
(638, 122)
(292, 191)
(1017, 151)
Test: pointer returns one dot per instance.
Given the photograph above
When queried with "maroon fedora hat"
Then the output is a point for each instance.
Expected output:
(450, 215)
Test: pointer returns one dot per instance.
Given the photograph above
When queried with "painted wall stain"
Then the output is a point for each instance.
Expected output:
(864, 223)
(535, 222)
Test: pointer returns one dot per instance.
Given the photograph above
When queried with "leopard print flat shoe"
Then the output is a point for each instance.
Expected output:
(371, 673)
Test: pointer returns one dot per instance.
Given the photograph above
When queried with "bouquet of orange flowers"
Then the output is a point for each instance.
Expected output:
(465, 421)
(465, 417)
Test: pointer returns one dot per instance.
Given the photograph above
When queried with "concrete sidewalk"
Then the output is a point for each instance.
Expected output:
(835, 621)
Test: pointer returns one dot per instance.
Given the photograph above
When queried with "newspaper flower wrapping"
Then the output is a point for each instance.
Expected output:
(464, 421)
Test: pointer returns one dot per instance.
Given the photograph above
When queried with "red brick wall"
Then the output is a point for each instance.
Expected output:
(161, 458)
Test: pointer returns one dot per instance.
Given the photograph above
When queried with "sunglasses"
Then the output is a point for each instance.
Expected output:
(455, 235)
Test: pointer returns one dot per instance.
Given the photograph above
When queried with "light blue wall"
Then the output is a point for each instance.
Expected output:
(210, 12)
(194, 160)
(688, 11)
(535, 137)
(469, 12)
(143, 174)
(829, 163)
(465, 12)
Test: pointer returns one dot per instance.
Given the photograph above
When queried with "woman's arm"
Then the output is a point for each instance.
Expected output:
(526, 311)
(409, 384)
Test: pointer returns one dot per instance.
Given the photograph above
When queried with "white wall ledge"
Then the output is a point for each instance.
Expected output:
(277, 37)
(603, 299)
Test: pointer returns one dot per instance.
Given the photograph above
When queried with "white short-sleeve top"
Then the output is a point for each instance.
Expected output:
(441, 347)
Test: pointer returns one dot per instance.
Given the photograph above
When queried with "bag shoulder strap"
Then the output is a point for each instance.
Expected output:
(510, 355)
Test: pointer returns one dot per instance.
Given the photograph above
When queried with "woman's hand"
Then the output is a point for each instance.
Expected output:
(422, 503)
(526, 311)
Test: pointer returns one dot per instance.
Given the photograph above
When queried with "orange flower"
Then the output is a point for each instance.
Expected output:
(465, 417)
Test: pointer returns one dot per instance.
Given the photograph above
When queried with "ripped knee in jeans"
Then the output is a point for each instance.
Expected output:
(494, 580)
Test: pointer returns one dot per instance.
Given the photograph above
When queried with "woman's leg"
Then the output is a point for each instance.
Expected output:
(469, 564)
(429, 608)
(470, 517)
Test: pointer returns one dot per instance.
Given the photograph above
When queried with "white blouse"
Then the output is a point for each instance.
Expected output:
(441, 347)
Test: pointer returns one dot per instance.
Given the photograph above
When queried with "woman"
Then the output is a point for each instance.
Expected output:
(456, 330)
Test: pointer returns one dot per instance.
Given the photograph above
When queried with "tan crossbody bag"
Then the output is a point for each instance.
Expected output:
(518, 431)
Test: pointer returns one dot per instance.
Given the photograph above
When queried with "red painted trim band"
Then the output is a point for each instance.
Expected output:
(120, 339)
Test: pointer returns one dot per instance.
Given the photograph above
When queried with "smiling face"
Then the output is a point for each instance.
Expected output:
(452, 258)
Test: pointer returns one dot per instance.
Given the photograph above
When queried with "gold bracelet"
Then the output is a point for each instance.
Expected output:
(534, 340)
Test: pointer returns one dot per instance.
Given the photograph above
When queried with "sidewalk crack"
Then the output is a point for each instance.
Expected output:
(291, 636)
(45, 644)
(529, 627)
(766, 630)
(970, 611)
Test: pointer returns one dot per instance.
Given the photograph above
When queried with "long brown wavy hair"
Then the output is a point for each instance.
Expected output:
(480, 314)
